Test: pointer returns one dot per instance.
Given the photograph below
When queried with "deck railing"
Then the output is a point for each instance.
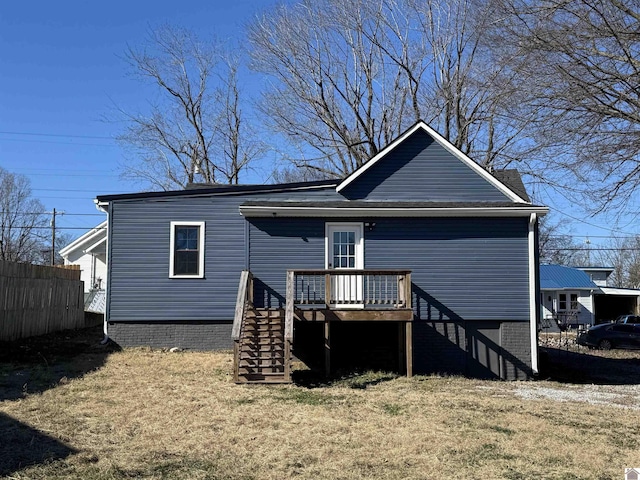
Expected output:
(243, 301)
(353, 288)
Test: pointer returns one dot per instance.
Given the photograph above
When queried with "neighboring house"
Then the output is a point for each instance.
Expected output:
(90, 252)
(598, 275)
(567, 297)
(419, 261)
(581, 296)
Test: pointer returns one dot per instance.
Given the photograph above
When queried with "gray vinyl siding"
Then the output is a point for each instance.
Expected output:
(462, 268)
(421, 169)
(140, 288)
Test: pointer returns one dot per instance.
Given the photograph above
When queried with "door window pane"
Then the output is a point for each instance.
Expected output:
(344, 249)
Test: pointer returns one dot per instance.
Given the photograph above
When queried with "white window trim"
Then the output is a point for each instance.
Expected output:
(200, 249)
(568, 293)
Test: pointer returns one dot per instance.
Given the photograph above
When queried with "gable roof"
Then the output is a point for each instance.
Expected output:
(421, 125)
(558, 277)
(87, 241)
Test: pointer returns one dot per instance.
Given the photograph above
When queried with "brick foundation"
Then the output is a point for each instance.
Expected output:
(188, 335)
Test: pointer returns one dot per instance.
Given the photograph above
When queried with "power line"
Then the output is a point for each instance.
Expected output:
(36, 227)
(74, 175)
(49, 213)
(60, 135)
(24, 140)
(70, 190)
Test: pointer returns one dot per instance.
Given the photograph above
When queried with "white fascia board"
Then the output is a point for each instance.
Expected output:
(629, 292)
(93, 235)
(95, 245)
(447, 146)
(297, 211)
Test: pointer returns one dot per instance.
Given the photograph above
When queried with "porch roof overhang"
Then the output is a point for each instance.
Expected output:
(389, 209)
(622, 292)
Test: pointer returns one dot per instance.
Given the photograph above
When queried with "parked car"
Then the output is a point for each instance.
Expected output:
(612, 335)
(627, 319)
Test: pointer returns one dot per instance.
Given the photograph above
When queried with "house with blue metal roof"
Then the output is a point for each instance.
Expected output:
(567, 296)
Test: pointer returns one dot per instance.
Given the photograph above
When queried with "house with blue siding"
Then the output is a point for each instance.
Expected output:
(420, 261)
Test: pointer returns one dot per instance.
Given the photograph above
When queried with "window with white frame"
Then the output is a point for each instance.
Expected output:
(568, 302)
(186, 257)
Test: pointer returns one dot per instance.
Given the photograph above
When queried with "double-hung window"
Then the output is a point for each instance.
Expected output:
(568, 302)
(186, 257)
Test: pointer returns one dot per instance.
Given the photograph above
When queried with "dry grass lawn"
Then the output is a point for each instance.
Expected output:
(151, 414)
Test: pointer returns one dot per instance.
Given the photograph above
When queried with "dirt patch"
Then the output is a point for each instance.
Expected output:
(574, 364)
(35, 364)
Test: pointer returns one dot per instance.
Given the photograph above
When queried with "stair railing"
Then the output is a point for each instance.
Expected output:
(288, 324)
(243, 301)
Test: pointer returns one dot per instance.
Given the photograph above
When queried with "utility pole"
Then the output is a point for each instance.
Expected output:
(588, 242)
(53, 235)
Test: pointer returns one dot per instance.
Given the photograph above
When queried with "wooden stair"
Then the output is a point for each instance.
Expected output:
(261, 354)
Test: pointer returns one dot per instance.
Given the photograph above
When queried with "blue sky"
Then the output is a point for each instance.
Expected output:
(63, 75)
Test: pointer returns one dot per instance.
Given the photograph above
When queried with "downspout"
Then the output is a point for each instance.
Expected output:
(533, 295)
(101, 207)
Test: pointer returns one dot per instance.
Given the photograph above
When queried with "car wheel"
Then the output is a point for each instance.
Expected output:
(605, 344)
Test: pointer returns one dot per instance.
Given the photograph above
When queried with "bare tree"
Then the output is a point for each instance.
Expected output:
(196, 130)
(579, 64)
(623, 255)
(348, 76)
(22, 219)
(558, 247)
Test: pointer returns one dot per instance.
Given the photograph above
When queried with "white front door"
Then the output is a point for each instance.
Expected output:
(345, 250)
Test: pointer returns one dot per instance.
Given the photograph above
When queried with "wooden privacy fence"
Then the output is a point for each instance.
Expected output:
(35, 299)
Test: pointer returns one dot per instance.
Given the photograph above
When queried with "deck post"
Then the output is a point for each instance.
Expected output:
(401, 342)
(327, 289)
(407, 290)
(236, 361)
(327, 348)
(287, 361)
(409, 347)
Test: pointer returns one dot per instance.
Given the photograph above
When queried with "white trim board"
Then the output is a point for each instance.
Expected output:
(90, 236)
(447, 146)
(201, 238)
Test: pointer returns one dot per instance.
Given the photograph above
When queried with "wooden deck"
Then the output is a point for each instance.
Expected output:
(327, 296)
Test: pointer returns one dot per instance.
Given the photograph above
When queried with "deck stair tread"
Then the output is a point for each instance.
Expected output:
(261, 352)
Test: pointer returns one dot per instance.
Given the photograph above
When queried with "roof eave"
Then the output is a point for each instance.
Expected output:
(220, 191)
(302, 211)
(88, 237)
